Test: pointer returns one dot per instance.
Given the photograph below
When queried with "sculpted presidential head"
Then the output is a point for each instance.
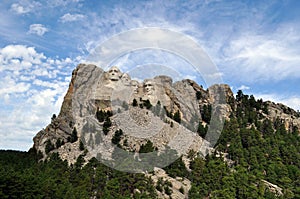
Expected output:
(114, 73)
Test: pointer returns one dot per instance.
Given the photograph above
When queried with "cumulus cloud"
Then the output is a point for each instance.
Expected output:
(19, 9)
(31, 90)
(9, 86)
(71, 17)
(38, 29)
(24, 6)
(19, 57)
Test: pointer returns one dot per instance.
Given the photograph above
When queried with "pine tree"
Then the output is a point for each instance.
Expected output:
(134, 103)
(177, 116)
(81, 146)
(74, 137)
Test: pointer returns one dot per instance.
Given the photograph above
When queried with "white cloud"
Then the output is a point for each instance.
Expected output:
(243, 87)
(291, 101)
(71, 17)
(19, 9)
(191, 77)
(24, 6)
(19, 57)
(9, 86)
(38, 29)
(273, 56)
(27, 118)
(56, 3)
(28, 93)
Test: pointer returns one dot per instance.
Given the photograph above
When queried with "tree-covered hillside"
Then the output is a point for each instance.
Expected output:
(255, 157)
(21, 176)
(251, 150)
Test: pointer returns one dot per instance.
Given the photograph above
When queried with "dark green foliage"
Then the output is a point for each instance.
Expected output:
(198, 95)
(164, 186)
(206, 113)
(247, 111)
(267, 152)
(59, 143)
(147, 104)
(201, 130)
(106, 125)
(134, 103)
(49, 146)
(21, 176)
(147, 148)
(170, 115)
(167, 190)
(171, 124)
(117, 137)
(177, 168)
(74, 137)
(255, 147)
(81, 146)
(100, 116)
(103, 115)
(159, 186)
(177, 116)
(125, 143)
(181, 190)
(239, 95)
(53, 117)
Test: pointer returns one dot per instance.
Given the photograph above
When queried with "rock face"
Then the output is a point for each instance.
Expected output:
(273, 188)
(179, 186)
(91, 89)
(62, 126)
(107, 111)
(290, 117)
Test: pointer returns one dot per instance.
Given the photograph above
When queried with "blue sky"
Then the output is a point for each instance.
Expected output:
(254, 44)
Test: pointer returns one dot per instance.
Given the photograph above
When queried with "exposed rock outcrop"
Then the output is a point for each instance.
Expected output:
(132, 114)
(93, 89)
(179, 187)
(273, 188)
(290, 118)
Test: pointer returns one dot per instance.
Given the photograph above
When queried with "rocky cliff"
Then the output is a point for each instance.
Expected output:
(158, 102)
(107, 115)
(143, 110)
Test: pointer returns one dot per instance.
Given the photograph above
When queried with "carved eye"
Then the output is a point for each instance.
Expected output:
(113, 70)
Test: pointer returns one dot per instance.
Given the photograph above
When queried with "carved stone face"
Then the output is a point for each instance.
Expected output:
(125, 78)
(135, 85)
(149, 87)
(114, 73)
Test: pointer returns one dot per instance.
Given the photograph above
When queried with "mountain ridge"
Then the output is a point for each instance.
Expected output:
(106, 111)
